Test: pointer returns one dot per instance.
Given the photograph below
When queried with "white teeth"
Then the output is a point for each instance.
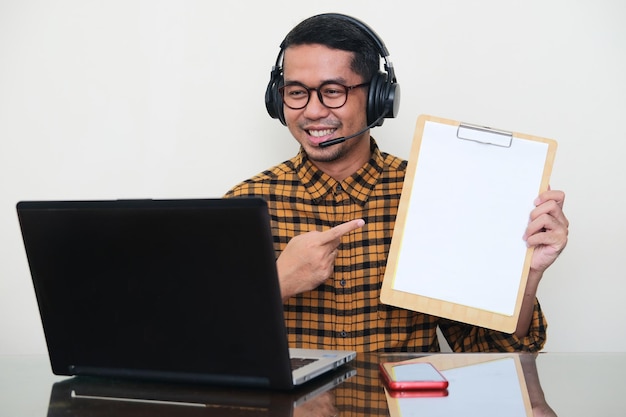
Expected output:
(320, 133)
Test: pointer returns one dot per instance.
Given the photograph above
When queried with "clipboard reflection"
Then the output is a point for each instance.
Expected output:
(481, 384)
(86, 397)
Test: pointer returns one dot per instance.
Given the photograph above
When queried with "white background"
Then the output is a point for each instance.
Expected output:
(164, 99)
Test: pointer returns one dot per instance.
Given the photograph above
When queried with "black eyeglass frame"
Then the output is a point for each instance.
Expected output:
(318, 89)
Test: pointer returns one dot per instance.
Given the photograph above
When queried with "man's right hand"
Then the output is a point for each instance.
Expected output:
(309, 258)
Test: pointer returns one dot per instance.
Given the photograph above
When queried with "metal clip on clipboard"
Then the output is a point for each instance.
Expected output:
(484, 135)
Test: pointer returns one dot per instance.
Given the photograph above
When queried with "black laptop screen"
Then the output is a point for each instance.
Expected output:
(147, 285)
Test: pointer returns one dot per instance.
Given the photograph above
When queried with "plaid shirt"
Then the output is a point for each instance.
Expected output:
(345, 312)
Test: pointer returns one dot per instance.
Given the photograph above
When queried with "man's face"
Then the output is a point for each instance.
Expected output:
(312, 65)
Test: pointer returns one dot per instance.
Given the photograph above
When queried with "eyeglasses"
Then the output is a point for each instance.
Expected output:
(331, 94)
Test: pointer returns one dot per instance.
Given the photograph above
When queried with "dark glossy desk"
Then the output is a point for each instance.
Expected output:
(572, 384)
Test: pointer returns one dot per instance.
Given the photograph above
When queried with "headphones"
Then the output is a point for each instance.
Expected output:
(384, 91)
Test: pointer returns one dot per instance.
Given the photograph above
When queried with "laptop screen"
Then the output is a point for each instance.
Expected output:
(181, 288)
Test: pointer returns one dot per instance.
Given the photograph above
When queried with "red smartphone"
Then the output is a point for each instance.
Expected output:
(403, 376)
(418, 393)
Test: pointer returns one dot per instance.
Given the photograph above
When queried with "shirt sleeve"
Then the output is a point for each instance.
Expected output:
(466, 338)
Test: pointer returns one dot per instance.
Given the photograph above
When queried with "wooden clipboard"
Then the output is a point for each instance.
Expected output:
(457, 249)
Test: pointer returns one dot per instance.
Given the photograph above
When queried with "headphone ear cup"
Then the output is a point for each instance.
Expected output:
(273, 99)
(384, 98)
(392, 100)
(376, 98)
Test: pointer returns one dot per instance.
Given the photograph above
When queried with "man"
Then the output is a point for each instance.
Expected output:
(333, 208)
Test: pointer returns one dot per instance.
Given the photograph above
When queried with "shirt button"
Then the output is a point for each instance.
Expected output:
(344, 334)
(342, 282)
(339, 188)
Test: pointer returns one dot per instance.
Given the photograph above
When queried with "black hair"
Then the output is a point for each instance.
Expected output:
(338, 33)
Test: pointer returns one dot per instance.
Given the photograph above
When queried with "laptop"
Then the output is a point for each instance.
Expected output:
(169, 290)
(109, 397)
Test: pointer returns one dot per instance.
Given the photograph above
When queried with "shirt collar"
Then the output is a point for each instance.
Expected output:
(359, 185)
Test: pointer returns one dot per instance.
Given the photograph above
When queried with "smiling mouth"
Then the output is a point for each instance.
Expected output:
(321, 133)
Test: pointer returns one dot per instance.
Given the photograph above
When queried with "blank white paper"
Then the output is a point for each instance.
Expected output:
(469, 208)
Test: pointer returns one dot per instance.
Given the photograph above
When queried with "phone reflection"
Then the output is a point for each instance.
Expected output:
(94, 397)
(482, 384)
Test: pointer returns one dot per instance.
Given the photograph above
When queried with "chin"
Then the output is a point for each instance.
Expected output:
(330, 154)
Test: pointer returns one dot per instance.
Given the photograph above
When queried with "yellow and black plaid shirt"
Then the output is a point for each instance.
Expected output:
(345, 311)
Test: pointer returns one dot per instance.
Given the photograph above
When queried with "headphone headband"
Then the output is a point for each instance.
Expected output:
(382, 49)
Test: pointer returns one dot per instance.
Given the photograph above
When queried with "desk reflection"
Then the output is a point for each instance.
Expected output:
(91, 397)
(488, 385)
(480, 384)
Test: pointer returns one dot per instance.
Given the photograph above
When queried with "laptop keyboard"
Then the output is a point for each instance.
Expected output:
(300, 362)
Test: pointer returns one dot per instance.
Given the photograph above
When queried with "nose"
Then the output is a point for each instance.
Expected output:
(315, 109)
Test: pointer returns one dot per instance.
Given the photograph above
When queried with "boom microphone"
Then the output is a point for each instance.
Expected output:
(335, 141)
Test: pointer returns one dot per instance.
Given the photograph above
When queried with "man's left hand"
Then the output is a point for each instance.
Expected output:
(547, 230)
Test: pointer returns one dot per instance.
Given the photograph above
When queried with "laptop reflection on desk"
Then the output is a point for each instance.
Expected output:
(92, 396)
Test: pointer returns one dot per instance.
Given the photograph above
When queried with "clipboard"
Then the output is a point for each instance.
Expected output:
(457, 250)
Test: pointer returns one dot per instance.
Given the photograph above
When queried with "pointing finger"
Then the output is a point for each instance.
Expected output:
(340, 230)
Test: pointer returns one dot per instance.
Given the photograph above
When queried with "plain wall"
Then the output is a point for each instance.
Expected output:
(164, 99)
